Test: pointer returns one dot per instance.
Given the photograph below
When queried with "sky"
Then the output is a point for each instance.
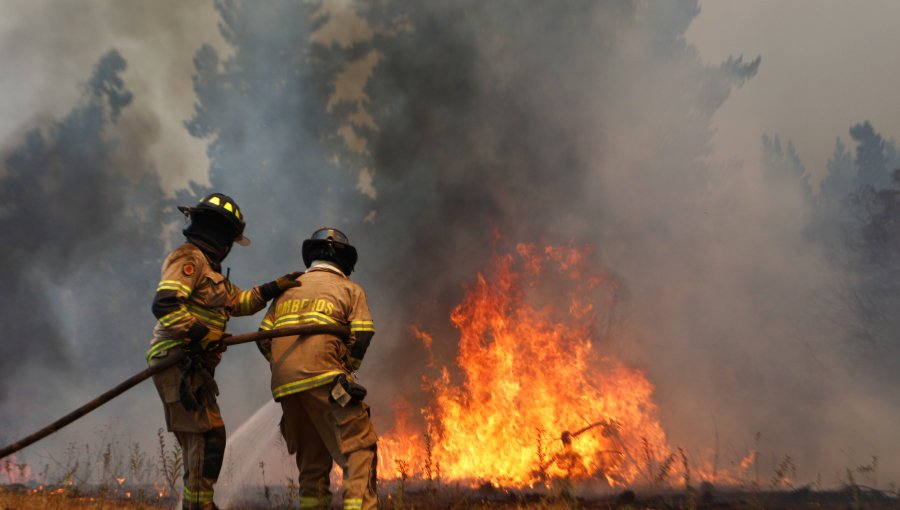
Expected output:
(812, 54)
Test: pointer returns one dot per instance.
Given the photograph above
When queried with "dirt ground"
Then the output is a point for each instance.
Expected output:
(12, 498)
(853, 498)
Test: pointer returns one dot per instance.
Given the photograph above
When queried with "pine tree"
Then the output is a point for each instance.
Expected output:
(80, 237)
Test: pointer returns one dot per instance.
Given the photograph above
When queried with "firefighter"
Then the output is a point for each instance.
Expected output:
(192, 305)
(324, 417)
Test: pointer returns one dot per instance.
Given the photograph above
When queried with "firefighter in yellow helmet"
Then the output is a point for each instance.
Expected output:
(325, 420)
(192, 305)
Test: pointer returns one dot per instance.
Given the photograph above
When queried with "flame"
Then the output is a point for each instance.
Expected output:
(14, 471)
(748, 460)
(536, 400)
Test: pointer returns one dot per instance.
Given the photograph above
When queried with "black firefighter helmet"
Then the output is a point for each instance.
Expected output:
(332, 245)
(219, 212)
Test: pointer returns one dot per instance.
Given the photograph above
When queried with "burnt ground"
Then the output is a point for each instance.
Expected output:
(13, 497)
(707, 497)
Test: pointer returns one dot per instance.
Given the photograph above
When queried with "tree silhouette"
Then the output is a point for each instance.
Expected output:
(80, 237)
(873, 156)
(478, 118)
(262, 109)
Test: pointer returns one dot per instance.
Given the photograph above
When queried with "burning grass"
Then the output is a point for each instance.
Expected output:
(118, 474)
(488, 497)
(534, 414)
(418, 484)
(19, 497)
(536, 399)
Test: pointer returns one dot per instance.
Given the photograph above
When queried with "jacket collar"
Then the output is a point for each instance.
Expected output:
(325, 265)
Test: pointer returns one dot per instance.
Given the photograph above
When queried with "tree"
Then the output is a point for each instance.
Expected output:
(840, 179)
(872, 156)
(532, 119)
(271, 141)
(80, 236)
(874, 292)
(783, 164)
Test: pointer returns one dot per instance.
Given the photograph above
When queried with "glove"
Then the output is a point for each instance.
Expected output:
(345, 391)
(274, 288)
(207, 339)
(288, 281)
(215, 345)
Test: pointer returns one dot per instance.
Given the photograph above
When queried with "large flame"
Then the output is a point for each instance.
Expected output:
(536, 400)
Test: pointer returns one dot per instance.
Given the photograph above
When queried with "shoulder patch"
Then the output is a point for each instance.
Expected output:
(187, 269)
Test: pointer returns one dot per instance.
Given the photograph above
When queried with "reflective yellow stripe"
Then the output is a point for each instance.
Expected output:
(245, 301)
(304, 384)
(159, 348)
(208, 316)
(304, 318)
(362, 326)
(171, 318)
(206, 313)
(266, 325)
(197, 497)
(176, 286)
(282, 322)
(352, 503)
(308, 502)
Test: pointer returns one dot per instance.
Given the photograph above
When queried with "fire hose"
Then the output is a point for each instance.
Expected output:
(173, 359)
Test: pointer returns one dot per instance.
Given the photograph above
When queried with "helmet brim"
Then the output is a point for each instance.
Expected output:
(309, 245)
(241, 239)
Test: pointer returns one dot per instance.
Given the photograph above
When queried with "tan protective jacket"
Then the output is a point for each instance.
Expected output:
(204, 295)
(325, 296)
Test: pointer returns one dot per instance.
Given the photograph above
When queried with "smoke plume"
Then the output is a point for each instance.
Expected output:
(435, 134)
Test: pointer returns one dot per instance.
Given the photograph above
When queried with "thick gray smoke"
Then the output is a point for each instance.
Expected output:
(93, 143)
(421, 129)
(578, 122)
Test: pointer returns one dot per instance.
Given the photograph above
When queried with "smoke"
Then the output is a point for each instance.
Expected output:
(590, 122)
(436, 134)
(49, 48)
(92, 144)
(80, 237)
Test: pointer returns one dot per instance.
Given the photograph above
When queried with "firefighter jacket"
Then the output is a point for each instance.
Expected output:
(193, 298)
(325, 296)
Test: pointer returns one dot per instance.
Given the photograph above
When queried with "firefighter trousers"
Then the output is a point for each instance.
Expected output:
(320, 433)
(202, 454)
(201, 435)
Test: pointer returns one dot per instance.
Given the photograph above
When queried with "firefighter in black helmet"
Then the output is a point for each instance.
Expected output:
(325, 419)
(192, 305)
(331, 245)
(216, 223)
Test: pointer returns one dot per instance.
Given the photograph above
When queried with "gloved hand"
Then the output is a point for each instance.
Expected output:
(215, 345)
(274, 288)
(206, 339)
(288, 281)
(346, 391)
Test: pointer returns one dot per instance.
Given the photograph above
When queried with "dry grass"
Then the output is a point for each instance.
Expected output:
(445, 498)
(61, 500)
(120, 476)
